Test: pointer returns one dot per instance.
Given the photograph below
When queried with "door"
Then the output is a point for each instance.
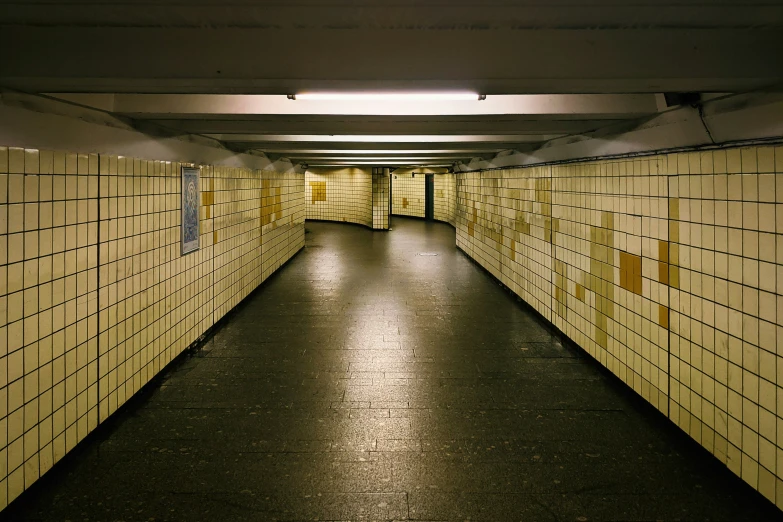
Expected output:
(429, 197)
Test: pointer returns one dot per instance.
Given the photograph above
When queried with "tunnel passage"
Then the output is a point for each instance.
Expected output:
(385, 376)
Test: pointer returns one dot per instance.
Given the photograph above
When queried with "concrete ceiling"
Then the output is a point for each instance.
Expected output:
(140, 62)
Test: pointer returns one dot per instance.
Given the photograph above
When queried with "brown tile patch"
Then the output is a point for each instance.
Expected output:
(607, 220)
(471, 224)
(208, 199)
(663, 251)
(543, 192)
(521, 225)
(271, 199)
(663, 316)
(600, 330)
(580, 292)
(605, 306)
(663, 272)
(404, 202)
(663, 262)
(674, 276)
(674, 208)
(560, 295)
(214, 237)
(674, 231)
(318, 191)
(560, 267)
(631, 272)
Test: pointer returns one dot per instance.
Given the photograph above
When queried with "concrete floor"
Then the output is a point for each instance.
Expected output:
(368, 381)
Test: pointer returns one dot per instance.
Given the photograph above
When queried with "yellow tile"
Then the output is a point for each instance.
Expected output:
(749, 160)
(3, 188)
(82, 164)
(15, 160)
(58, 162)
(92, 167)
(766, 159)
(734, 161)
(31, 161)
(16, 188)
(71, 163)
(766, 188)
(3, 160)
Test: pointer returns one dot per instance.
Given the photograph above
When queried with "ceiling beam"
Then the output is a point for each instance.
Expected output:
(157, 105)
(269, 60)
(421, 14)
(389, 125)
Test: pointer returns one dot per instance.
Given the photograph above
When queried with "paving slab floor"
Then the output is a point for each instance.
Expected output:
(372, 380)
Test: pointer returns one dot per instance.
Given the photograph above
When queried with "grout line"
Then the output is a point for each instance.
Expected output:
(98, 301)
(669, 303)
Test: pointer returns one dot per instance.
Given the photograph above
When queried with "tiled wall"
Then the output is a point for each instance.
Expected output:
(408, 194)
(445, 197)
(282, 219)
(668, 270)
(95, 297)
(152, 302)
(340, 195)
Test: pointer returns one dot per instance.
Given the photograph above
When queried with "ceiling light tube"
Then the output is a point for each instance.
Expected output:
(387, 96)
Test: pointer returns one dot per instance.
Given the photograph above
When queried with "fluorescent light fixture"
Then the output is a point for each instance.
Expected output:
(381, 159)
(388, 96)
(376, 152)
(386, 138)
(375, 163)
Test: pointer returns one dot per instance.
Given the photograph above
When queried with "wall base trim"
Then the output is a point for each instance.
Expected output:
(346, 223)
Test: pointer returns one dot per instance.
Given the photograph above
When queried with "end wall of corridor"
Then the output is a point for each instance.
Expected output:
(348, 195)
(408, 193)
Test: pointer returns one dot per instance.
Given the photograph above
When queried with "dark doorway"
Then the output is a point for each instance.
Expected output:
(429, 197)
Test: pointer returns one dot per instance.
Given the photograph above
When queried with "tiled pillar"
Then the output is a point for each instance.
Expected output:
(380, 198)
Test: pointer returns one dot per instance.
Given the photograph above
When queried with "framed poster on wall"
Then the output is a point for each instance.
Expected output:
(190, 209)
